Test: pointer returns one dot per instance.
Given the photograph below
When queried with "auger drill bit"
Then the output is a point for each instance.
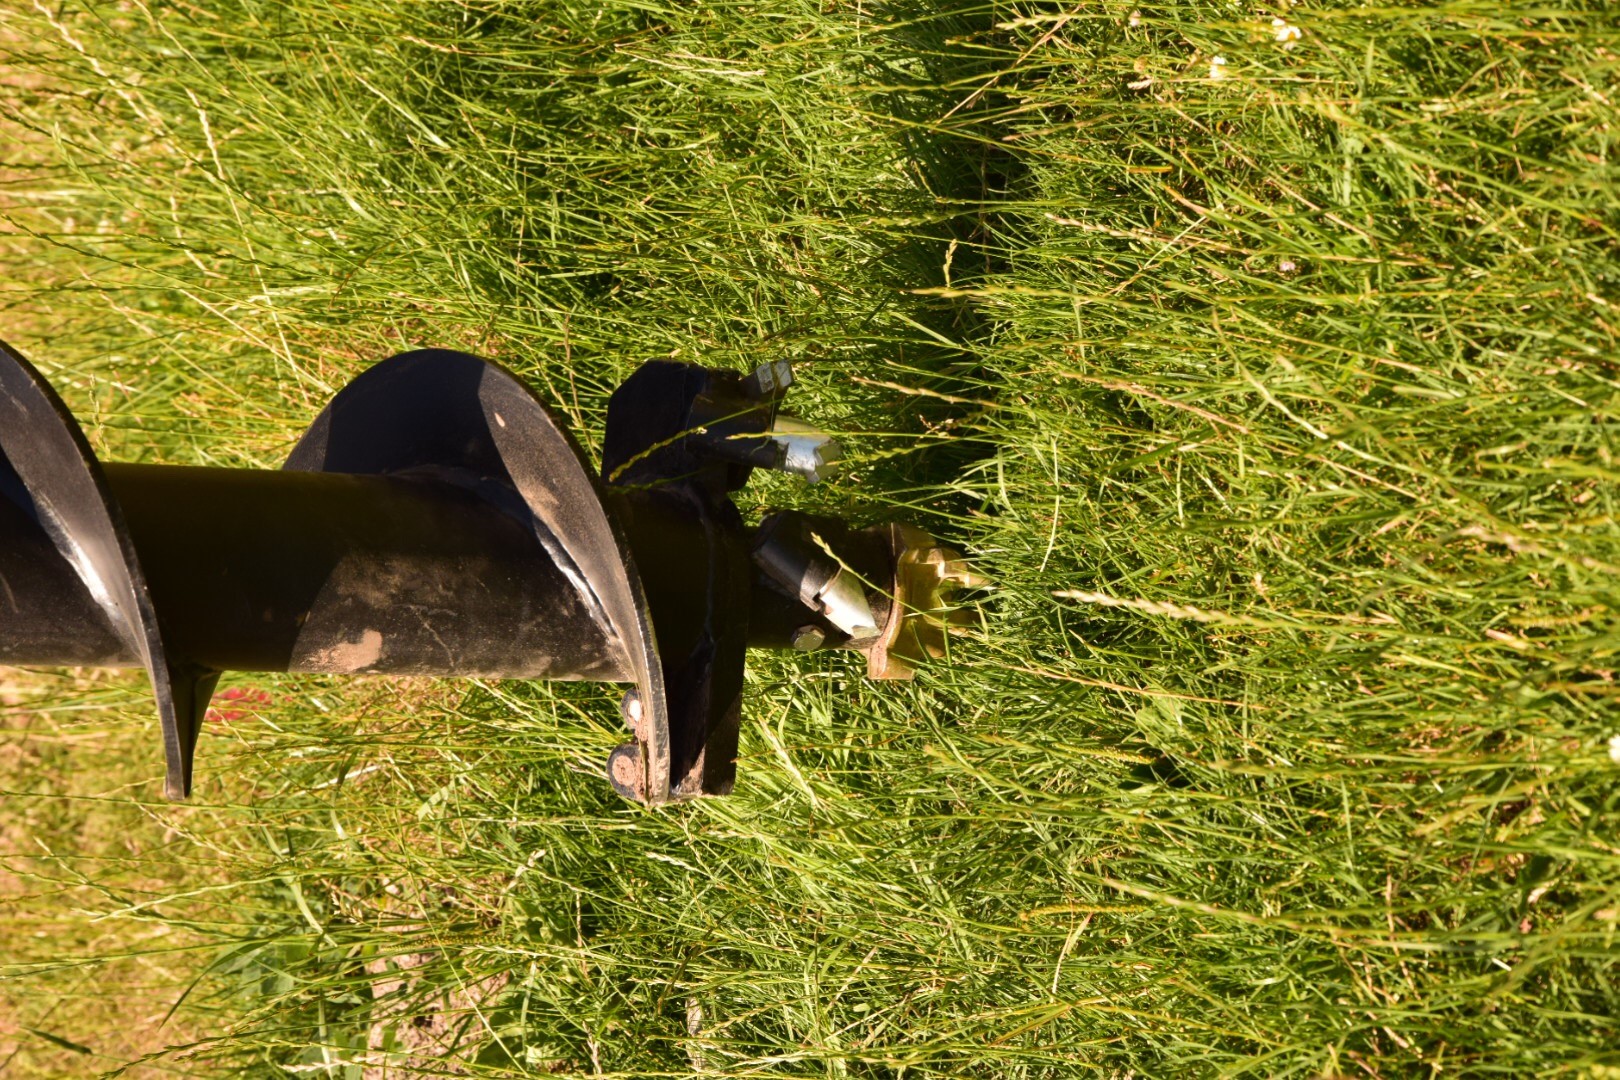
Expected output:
(436, 520)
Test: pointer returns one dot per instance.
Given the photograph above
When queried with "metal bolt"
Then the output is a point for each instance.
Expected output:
(630, 709)
(808, 638)
(626, 772)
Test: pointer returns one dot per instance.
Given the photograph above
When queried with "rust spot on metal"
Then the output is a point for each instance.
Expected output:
(350, 656)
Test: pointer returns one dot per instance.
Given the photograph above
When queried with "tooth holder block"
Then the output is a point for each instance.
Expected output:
(436, 520)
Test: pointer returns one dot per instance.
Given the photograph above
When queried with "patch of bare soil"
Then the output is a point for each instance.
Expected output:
(410, 1036)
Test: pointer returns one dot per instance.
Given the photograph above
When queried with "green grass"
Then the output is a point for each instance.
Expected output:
(1277, 405)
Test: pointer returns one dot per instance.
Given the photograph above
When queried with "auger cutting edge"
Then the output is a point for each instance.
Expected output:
(436, 520)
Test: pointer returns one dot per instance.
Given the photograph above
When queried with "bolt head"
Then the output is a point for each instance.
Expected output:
(626, 772)
(630, 709)
(808, 638)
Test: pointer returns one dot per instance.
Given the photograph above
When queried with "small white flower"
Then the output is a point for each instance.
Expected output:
(1614, 749)
(1217, 67)
(1135, 20)
(1288, 266)
(1285, 32)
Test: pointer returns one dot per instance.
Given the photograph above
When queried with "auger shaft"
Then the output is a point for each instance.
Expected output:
(261, 570)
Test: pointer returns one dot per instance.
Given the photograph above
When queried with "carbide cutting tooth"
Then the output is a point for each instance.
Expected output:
(803, 449)
(769, 381)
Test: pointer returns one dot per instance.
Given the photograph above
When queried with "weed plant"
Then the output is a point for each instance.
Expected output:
(1264, 356)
